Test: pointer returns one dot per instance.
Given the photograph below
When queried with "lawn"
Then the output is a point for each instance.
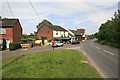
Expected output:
(64, 63)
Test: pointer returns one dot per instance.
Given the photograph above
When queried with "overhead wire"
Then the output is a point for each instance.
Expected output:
(10, 9)
(34, 9)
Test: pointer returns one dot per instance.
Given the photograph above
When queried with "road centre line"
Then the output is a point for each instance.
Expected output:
(97, 47)
(108, 52)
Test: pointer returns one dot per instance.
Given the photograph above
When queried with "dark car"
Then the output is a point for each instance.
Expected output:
(75, 42)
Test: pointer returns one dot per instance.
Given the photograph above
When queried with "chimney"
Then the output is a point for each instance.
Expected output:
(5, 18)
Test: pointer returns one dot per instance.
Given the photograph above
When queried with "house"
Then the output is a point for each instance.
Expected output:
(75, 35)
(50, 31)
(82, 31)
(11, 30)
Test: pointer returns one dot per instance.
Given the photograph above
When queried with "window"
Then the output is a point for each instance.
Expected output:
(56, 32)
(3, 31)
(82, 33)
(1, 41)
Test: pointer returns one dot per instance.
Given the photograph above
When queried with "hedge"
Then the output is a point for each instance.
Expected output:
(14, 46)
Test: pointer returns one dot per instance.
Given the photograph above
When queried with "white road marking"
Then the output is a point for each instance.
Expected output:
(108, 52)
(97, 47)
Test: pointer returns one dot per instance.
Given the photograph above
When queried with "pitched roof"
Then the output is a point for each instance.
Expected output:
(75, 32)
(58, 28)
(8, 22)
(81, 30)
(71, 35)
(53, 27)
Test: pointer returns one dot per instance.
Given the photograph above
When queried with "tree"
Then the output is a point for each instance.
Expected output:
(31, 34)
(110, 30)
(50, 40)
(35, 33)
(43, 38)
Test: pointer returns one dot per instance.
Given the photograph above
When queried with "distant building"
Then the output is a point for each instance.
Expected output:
(51, 31)
(82, 32)
(11, 30)
(75, 35)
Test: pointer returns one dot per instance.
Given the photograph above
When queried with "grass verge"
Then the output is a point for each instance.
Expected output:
(112, 44)
(64, 63)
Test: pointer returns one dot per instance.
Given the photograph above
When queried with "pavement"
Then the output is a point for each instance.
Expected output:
(104, 58)
(8, 53)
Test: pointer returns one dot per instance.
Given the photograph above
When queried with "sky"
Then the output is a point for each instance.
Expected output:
(70, 14)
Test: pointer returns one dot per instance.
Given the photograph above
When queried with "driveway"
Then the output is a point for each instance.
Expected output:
(35, 49)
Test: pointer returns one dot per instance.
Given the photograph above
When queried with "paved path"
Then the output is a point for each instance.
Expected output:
(34, 50)
(104, 58)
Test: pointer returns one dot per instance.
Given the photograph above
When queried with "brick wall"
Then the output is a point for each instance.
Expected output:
(45, 32)
(8, 35)
(17, 32)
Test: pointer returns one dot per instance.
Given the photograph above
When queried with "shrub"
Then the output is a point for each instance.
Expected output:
(36, 38)
(4, 44)
(102, 42)
(64, 42)
(14, 46)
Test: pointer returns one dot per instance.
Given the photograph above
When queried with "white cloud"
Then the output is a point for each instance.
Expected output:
(100, 17)
(79, 21)
(62, 0)
(95, 12)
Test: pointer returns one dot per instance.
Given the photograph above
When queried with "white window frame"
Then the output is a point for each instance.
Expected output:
(3, 31)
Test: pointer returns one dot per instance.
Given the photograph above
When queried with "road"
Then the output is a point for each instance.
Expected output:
(8, 53)
(103, 57)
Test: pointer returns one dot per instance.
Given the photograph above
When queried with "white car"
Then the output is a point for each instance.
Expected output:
(57, 43)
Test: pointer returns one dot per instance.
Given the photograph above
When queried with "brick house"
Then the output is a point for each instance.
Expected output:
(50, 31)
(11, 30)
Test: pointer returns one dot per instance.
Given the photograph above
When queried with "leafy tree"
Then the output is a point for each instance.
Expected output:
(110, 30)
(35, 33)
(43, 38)
(31, 34)
(50, 40)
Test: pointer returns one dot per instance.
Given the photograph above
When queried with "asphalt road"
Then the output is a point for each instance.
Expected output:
(8, 53)
(103, 57)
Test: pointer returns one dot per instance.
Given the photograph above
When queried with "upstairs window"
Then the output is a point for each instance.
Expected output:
(3, 31)
(56, 32)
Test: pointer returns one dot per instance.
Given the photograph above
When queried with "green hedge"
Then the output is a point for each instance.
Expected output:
(14, 46)
(113, 44)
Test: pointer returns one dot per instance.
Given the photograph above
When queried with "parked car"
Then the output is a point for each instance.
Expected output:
(75, 42)
(57, 43)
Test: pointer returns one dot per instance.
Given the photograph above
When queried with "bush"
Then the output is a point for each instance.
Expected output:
(14, 46)
(64, 42)
(102, 42)
(112, 44)
(4, 44)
